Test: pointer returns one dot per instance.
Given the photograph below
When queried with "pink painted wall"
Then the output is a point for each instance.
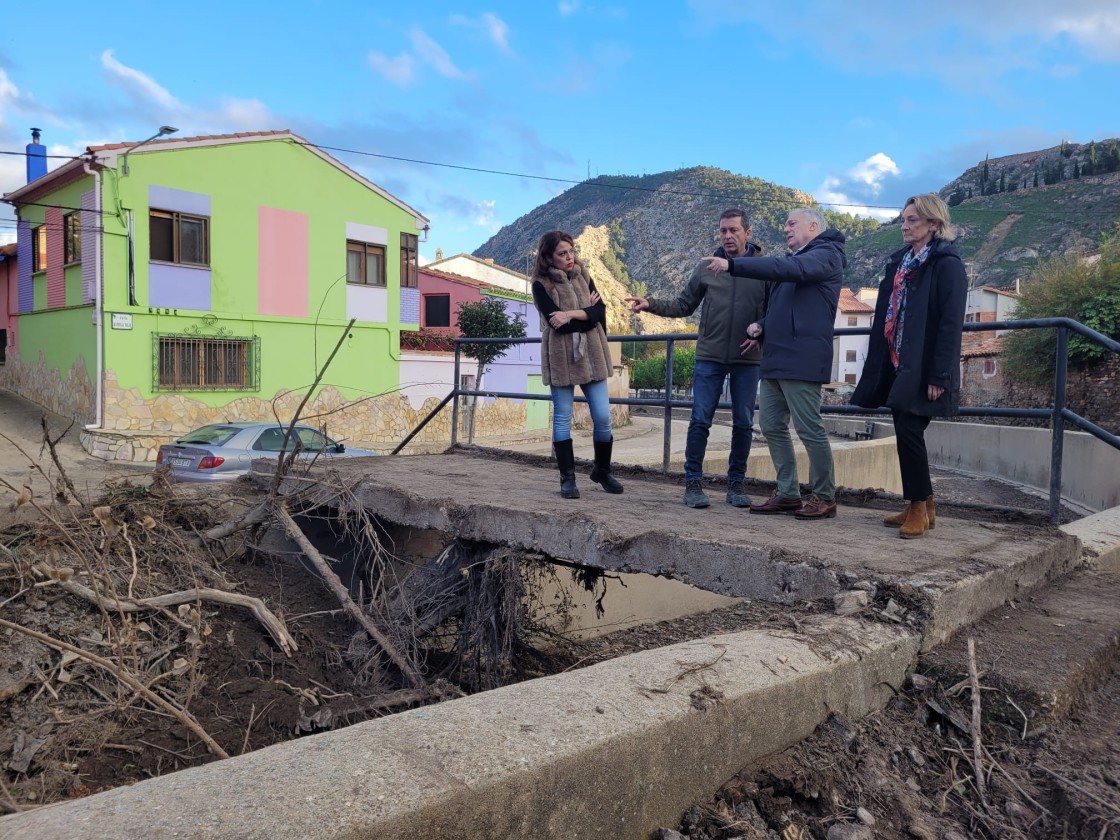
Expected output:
(431, 284)
(9, 301)
(282, 263)
(56, 274)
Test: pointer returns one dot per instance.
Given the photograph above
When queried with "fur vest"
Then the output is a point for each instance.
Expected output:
(559, 365)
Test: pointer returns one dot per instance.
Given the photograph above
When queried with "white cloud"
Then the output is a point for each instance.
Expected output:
(428, 51)
(484, 213)
(400, 70)
(495, 28)
(499, 32)
(1096, 28)
(245, 114)
(137, 84)
(966, 44)
(568, 7)
(857, 190)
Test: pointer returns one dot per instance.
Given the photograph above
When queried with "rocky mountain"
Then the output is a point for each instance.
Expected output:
(1014, 212)
(657, 225)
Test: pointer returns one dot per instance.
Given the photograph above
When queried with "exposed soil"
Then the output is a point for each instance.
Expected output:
(906, 772)
(69, 728)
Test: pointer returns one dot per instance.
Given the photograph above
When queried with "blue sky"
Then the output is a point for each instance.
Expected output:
(859, 103)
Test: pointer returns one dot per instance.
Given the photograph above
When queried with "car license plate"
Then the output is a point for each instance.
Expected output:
(180, 462)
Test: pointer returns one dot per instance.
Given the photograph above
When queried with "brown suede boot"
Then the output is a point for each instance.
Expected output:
(916, 523)
(897, 519)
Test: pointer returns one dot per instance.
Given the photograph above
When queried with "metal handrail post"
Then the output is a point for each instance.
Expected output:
(667, 435)
(455, 394)
(1058, 435)
(423, 423)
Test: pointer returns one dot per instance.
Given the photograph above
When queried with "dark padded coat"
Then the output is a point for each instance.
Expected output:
(931, 338)
(801, 313)
(728, 307)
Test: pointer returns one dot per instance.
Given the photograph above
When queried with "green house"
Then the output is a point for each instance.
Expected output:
(173, 282)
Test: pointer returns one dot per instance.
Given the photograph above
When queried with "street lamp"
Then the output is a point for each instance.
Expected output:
(163, 131)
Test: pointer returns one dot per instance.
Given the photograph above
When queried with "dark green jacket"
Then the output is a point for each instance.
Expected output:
(728, 307)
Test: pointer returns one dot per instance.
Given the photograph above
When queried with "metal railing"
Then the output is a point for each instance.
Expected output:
(1058, 414)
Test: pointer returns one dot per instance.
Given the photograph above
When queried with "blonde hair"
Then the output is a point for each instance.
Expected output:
(932, 208)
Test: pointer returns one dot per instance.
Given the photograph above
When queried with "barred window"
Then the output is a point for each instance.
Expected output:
(207, 364)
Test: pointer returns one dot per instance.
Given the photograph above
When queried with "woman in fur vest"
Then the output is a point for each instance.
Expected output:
(574, 352)
(914, 355)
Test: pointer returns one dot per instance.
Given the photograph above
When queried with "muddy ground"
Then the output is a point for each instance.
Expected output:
(70, 727)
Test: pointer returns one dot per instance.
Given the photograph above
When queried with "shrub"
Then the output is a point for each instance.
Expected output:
(1065, 287)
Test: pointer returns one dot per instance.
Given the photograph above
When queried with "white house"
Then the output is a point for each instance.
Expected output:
(487, 271)
(850, 351)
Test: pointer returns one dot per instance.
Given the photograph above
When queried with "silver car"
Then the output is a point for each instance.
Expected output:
(224, 451)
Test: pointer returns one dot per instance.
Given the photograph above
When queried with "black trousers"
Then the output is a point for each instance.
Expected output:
(913, 462)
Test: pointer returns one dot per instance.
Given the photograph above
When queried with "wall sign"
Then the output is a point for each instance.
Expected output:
(122, 321)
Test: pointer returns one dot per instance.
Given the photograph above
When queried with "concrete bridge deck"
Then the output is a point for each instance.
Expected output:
(618, 748)
(964, 568)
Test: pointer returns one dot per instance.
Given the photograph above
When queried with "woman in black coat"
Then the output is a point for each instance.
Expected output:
(913, 357)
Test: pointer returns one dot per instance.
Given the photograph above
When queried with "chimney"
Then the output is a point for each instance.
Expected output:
(36, 157)
(439, 254)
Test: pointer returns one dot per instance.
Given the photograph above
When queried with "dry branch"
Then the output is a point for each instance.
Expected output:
(977, 747)
(51, 444)
(274, 625)
(340, 591)
(129, 679)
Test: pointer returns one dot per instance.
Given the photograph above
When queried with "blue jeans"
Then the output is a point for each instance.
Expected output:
(598, 401)
(707, 386)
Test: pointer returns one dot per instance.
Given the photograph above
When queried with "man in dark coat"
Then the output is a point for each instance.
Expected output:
(727, 307)
(796, 337)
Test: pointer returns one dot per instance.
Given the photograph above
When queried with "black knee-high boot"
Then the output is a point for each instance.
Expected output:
(566, 461)
(601, 472)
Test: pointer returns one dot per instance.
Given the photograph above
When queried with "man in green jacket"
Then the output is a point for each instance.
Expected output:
(727, 307)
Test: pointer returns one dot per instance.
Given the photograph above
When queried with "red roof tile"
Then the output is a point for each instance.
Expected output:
(988, 347)
(850, 303)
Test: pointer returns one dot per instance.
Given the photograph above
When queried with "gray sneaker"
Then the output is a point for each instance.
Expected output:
(737, 495)
(694, 494)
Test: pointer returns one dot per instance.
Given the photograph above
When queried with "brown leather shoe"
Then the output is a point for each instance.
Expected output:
(815, 508)
(777, 504)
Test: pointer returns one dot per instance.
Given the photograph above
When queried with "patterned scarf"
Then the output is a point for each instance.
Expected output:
(896, 307)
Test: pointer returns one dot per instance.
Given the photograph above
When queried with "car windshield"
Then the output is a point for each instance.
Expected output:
(212, 435)
(271, 439)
